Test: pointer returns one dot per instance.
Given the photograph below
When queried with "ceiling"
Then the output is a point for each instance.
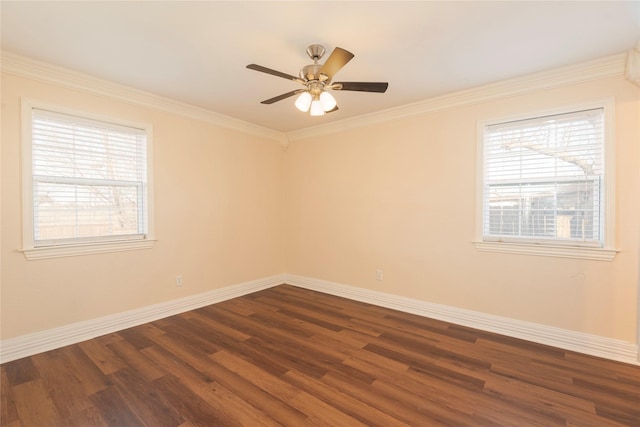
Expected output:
(196, 52)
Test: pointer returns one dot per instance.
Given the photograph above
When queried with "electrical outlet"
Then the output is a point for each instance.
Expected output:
(379, 275)
(179, 280)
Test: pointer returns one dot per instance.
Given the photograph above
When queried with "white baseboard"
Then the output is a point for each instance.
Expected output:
(569, 340)
(27, 345)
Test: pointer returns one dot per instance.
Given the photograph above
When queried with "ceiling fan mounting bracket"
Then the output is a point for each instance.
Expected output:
(315, 52)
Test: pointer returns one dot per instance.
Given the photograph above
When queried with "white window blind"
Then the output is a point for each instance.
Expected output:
(544, 179)
(89, 180)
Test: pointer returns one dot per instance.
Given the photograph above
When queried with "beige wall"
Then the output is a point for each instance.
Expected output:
(400, 196)
(396, 196)
(218, 216)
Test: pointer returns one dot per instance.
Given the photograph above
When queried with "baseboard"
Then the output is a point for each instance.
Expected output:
(27, 345)
(569, 340)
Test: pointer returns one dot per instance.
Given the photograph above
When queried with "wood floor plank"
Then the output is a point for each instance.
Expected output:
(436, 330)
(21, 371)
(55, 370)
(89, 417)
(321, 413)
(34, 404)
(444, 392)
(304, 306)
(289, 356)
(615, 404)
(216, 327)
(113, 407)
(346, 403)
(136, 337)
(191, 406)
(217, 396)
(132, 356)
(430, 409)
(413, 344)
(425, 366)
(279, 410)
(607, 367)
(271, 384)
(144, 399)
(243, 308)
(88, 374)
(240, 410)
(9, 414)
(181, 330)
(326, 357)
(534, 398)
(102, 356)
(261, 358)
(390, 405)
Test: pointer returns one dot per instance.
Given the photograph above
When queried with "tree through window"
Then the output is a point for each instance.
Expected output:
(89, 180)
(543, 179)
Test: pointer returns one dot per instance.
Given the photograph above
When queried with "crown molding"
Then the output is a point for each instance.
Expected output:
(597, 69)
(610, 66)
(632, 71)
(22, 66)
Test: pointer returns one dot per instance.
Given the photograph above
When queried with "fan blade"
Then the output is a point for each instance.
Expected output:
(380, 87)
(332, 110)
(281, 97)
(338, 59)
(274, 72)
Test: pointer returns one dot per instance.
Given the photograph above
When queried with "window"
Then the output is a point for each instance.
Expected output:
(546, 184)
(86, 186)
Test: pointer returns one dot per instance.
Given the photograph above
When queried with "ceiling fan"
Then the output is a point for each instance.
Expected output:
(317, 78)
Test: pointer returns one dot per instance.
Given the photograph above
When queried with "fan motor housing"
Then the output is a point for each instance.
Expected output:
(310, 72)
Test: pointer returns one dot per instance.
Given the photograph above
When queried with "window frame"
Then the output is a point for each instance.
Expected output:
(555, 248)
(86, 246)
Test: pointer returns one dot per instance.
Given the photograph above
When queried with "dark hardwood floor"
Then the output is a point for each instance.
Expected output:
(293, 357)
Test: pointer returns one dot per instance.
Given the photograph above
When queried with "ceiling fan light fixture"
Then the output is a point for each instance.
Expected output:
(316, 108)
(304, 102)
(327, 101)
(316, 78)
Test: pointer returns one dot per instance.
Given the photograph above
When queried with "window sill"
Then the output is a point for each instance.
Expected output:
(597, 254)
(86, 249)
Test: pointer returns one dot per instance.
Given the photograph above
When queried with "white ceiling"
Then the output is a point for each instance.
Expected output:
(196, 52)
